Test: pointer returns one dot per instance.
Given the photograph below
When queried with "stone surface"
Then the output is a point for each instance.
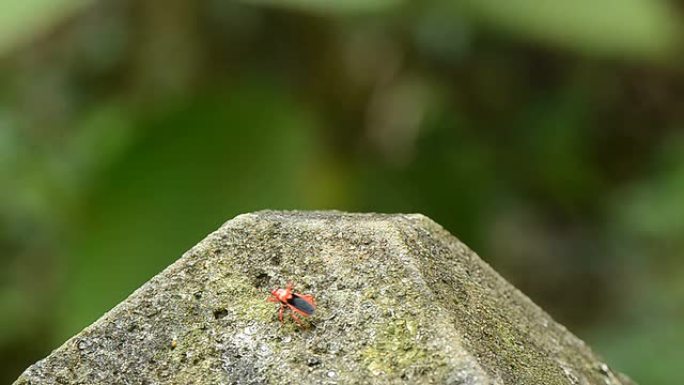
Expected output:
(400, 301)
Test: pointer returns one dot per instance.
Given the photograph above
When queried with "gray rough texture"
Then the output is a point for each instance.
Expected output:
(400, 301)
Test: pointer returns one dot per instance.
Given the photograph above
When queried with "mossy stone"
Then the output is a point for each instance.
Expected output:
(399, 301)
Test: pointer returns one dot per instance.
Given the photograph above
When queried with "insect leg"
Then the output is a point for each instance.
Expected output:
(296, 319)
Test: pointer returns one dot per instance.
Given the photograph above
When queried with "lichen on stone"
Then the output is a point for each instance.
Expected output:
(399, 301)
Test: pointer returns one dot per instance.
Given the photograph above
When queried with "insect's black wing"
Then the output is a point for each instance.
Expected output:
(301, 304)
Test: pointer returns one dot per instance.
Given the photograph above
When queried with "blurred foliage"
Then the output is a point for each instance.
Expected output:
(330, 7)
(547, 136)
(22, 20)
(626, 27)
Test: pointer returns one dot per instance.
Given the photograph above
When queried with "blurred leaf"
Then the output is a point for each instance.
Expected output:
(331, 6)
(653, 208)
(101, 138)
(451, 179)
(22, 20)
(11, 305)
(622, 27)
(628, 345)
(552, 152)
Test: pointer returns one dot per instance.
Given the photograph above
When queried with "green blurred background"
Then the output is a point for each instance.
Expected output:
(546, 135)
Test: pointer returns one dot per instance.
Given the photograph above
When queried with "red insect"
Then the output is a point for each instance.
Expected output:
(303, 304)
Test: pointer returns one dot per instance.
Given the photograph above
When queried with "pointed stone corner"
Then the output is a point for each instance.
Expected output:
(400, 301)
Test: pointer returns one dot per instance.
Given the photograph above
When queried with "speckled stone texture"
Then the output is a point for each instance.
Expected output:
(400, 301)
